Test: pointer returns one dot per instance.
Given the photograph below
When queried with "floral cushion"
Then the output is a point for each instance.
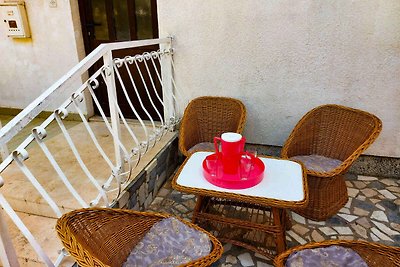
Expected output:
(169, 243)
(205, 146)
(332, 256)
(318, 163)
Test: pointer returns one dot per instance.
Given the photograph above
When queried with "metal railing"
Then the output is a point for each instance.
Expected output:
(157, 66)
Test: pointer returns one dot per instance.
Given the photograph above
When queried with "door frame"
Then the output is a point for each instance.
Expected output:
(84, 16)
(85, 13)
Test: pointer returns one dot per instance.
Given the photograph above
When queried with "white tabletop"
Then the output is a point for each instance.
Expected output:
(283, 179)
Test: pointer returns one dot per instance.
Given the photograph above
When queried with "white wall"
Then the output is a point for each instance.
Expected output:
(282, 58)
(29, 66)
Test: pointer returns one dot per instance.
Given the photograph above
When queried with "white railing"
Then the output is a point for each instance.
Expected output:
(126, 157)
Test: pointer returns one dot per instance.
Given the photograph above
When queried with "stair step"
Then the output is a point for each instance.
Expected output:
(39, 218)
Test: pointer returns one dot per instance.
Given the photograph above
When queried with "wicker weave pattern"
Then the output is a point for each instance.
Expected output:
(207, 117)
(244, 224)
(105, 237)
(255, 223)
(336, 132)
(374, 254)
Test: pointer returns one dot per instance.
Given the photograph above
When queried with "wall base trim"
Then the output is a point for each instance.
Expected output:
(367, 165)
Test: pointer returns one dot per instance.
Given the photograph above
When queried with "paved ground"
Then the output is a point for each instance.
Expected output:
(372, 213)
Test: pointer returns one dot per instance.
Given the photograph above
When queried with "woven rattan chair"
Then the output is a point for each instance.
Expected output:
(105, 237)
(207, 117)
(335, 132)
(374, 254)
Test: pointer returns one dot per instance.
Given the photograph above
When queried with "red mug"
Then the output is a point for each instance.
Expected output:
(232, 147)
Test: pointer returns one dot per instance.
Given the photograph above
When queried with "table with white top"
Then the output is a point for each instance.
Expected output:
(254, 218)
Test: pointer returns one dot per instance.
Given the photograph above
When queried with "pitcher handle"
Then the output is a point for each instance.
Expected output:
(216, 139)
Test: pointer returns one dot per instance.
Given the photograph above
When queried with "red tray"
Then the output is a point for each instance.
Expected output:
(217, 176)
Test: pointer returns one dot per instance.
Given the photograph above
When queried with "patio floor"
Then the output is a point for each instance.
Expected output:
(372, 213)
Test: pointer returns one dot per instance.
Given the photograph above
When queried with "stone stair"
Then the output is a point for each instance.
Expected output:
(34, 210)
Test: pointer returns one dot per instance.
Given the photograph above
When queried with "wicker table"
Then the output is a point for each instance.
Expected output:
(253, 218)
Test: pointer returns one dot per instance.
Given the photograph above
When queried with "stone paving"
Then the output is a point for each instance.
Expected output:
(372, 213)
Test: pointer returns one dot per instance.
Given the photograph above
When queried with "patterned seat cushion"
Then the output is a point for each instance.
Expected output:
(332, 256)
(169, 243)
(318, 163)
(205, 146)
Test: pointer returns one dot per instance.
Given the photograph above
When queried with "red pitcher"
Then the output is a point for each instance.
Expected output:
(232, 147)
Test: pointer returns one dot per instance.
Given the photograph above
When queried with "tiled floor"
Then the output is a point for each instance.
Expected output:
(372, 213)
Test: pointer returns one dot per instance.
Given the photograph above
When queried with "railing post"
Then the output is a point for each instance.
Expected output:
(3, 149)
(167, 85)
(112, 98)
(7, 251)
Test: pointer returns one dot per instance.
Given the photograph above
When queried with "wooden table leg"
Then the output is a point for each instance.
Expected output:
(280, 221)
(197, 208)
(288, 221)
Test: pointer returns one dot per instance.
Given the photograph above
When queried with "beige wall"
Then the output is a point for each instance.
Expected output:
(29, 66)
(282, 58)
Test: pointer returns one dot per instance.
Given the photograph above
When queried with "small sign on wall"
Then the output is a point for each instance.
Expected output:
(14, 17)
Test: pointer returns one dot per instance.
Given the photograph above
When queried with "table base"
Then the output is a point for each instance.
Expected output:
(254, 227)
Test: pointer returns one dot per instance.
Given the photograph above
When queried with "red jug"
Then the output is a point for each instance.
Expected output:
(232, 147)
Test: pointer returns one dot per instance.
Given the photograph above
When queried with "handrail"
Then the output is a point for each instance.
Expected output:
(118, 172)
(40, 103)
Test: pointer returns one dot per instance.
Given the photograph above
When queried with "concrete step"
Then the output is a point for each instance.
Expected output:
(43, 228)
(25, 198)
(34, 210)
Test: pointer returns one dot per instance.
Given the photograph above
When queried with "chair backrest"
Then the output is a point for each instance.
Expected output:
(374, 254)
(210, 116)
(333, 131)
(105, 237)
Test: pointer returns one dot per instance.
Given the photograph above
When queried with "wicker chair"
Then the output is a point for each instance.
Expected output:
(374, 254)
(335, 132)
(105, 237)
(207, 117)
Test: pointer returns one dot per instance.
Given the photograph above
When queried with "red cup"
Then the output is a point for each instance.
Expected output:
(246, 165)
(232, 147)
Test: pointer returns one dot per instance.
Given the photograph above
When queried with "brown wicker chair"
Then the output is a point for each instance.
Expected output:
(105, 237)
(207, 117)
(335, 132)
(374, 254)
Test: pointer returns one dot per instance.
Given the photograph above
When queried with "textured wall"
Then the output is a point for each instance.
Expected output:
(282, 58)
(29, 66)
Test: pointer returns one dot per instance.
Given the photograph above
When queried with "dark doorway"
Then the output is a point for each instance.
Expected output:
(105, 21)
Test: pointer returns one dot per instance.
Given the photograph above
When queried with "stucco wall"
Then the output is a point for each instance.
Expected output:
(29, 66)
(282, 58)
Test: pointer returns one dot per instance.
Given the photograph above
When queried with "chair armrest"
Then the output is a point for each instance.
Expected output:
(188, 134)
